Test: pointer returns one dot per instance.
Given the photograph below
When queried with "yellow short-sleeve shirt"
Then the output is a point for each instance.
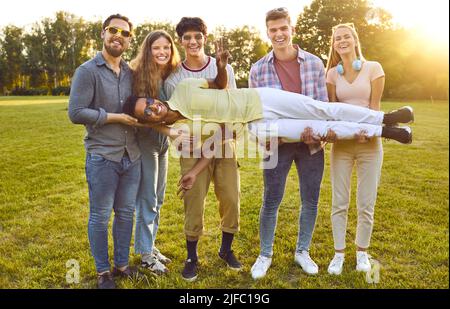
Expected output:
(194, 100)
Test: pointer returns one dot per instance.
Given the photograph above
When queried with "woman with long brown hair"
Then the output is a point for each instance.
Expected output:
(157, 58)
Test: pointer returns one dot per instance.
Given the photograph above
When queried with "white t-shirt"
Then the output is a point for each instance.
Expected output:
(209, 71)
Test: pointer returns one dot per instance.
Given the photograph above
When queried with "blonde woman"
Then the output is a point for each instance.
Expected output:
(354, 80)
(157, 59)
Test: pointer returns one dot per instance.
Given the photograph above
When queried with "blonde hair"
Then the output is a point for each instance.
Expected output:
(333, 57)
(147, 74)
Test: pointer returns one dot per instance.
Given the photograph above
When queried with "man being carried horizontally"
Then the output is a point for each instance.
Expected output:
(205, 100)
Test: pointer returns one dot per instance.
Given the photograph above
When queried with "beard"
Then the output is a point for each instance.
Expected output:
(114, 52)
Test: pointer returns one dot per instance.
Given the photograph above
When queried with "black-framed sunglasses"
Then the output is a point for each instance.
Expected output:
(188, 37)
(148, 102)
(115, 30)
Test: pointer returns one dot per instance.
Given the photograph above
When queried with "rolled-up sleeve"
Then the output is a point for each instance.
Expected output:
(322, 93)
(252, 78)
(81, 97)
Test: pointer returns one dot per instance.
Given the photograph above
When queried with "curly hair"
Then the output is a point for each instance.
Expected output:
(191, 24)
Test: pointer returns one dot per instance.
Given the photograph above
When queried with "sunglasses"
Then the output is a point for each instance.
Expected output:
(197, 37)
(149, 102)
(282, 9)
(349, 25)
(115, 30)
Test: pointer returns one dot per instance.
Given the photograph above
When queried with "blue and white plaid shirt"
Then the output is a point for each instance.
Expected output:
(312, 76)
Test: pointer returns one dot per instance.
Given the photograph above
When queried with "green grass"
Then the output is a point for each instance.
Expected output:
(44, 211)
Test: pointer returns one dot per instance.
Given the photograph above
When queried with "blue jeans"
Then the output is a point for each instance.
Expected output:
(112, 185)
(154, 149)
(310, 172)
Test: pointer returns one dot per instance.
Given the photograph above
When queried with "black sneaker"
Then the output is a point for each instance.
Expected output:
(400, 134)
(129, 272)
(189, 272)
(404, 114)
(105, 281)
(231, 260)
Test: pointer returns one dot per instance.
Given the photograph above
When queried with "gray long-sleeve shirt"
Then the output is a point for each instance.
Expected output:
(96, 90)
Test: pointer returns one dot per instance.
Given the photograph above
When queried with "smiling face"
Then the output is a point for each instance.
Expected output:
(153, 113)
(161, 51)
(193, 43)
(344, 42)
(116, 44)
(280, 33)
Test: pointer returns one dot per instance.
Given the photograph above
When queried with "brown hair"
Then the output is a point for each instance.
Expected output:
(191, 24)
(333, 57)
(117, 16)
(148, 75)
(278, 13)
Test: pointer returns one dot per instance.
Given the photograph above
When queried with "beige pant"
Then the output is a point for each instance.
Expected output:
(368, 158)
(225, 175)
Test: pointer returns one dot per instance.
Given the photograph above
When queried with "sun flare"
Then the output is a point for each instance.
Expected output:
(429, 18)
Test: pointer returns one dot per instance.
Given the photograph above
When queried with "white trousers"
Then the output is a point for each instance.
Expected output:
(279, 104)
(290, 130)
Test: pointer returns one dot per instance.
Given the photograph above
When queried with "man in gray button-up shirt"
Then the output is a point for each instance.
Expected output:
(99, 89)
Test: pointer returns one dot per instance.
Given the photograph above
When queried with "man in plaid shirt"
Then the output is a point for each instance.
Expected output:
(292, 69)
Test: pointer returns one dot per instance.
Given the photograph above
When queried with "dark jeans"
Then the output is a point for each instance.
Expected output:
(310, 172)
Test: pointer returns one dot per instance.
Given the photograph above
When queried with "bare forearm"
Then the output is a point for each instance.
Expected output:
(221, 79)
(201, 164)
(377, 87)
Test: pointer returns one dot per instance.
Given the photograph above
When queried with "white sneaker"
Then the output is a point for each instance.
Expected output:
(161, 257)
(336, 264)
(154, 265)
(308, 265)
(362, 261)
(260, 267)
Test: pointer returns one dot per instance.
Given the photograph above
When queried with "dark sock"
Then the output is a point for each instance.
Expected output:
(227, 240)
(192, 249)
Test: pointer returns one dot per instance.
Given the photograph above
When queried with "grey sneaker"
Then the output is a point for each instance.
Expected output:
(161, 257)
(155, 266)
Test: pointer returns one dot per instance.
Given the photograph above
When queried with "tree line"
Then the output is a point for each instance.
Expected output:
(41, 60)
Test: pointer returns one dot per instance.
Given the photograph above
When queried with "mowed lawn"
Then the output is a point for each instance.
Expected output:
(44, 212)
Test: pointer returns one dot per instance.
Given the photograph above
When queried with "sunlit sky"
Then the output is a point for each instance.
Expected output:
(429, 16)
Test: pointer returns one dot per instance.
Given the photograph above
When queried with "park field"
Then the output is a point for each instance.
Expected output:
(44, 212)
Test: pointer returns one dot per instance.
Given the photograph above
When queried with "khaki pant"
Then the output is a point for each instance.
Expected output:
(368, 158)
(225, 175)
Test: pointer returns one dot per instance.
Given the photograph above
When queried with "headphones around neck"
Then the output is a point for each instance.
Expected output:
(356, 65)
